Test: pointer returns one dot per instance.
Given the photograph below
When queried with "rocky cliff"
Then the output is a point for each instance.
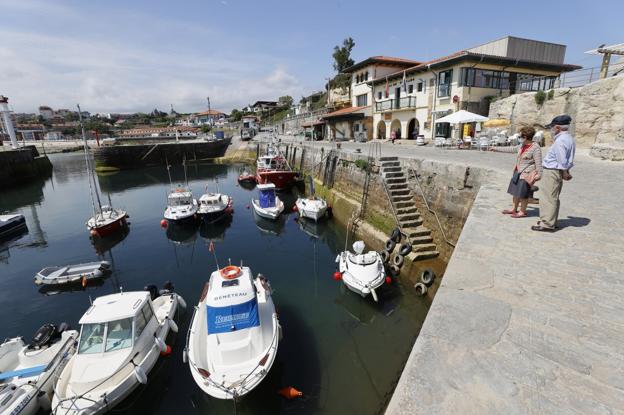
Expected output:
(597, 111)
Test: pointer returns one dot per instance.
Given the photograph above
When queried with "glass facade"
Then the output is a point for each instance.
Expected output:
(484, 78)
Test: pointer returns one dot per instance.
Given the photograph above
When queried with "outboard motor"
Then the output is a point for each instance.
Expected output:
(44, 336)
(167, 288)
(153, 290)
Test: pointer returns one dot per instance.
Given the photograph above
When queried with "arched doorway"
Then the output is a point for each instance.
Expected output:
(395, 127)
(413, 128)
(381, 130)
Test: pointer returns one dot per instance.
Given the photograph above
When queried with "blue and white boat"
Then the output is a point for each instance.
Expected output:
(268, 205)
(11, 223)
(234, 333)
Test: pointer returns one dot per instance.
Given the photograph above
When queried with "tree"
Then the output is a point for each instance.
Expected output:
(95, 124)
(236, 115)
(286, 101)
(342, 55)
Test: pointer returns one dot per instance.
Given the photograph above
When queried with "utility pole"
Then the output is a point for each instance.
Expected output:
(209, 115)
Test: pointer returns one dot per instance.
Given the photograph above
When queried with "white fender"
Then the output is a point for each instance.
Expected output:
(140, 375)
(160, 344)
(172, 325)
(374, 294)
(185, 356)
(181, 302)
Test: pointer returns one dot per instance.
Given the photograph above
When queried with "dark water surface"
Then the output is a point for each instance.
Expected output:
(345, 353)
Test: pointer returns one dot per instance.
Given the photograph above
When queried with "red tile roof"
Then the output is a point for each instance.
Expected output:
(210, 112)
(388, 60)
(343, 111)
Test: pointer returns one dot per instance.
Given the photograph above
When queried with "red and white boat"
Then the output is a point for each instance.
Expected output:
(106, 220)
(246, 177)
(274, 168)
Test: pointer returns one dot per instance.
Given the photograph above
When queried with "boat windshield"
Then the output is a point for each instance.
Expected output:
(110, 336)
(179, 201)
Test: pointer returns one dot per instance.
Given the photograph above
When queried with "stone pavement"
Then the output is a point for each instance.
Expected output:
(525, 322)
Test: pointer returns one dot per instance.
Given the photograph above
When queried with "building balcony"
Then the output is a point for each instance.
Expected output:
(394, 104)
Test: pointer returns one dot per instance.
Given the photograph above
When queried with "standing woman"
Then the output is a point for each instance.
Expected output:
(527, 171)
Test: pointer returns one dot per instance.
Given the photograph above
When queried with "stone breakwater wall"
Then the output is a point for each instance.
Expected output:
(597, 110)
(22, 165)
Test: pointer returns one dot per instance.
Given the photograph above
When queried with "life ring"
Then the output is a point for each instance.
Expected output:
(427, 277)
(230, 272)
(179, 190)
(396, 235)
(405, 249)
(421, 289)
(390, 244)
(398, 260)
(385, 256)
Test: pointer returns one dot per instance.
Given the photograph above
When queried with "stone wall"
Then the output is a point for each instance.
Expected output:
(597, 111)
(21, 165)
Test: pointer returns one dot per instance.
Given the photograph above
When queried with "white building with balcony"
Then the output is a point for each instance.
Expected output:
(407, 102)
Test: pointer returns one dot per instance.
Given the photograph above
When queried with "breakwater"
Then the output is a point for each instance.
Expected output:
(128, 156)
(22, 165)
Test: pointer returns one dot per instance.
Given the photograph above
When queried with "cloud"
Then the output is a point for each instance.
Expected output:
(120, 73)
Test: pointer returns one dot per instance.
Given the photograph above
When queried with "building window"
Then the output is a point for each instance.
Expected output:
(483, 78)
(419, 86)
(378, 94)
(362, 100)
(528, 82)
(444, 83)
(366, 76)
(410, 89)
(443, 129)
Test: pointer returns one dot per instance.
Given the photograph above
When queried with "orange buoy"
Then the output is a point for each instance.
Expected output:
(84, 282)
(289, 392)
(164, 223)
(167, 351)
(388, 280)
(93, 232)
(337, 276)
(295, 208)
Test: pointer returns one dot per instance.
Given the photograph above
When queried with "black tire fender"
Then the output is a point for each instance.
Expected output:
(390, 244)
(398, 260)
(396, 235)
(405, 250)
(394, 270)
(427, 277)
(421, 289)
(385, 256)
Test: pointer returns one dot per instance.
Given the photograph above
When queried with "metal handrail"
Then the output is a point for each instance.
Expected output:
(410, 169)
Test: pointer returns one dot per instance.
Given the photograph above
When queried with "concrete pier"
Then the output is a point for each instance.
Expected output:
(21, 165)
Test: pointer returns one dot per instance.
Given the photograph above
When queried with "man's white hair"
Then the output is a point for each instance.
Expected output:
(564, 127)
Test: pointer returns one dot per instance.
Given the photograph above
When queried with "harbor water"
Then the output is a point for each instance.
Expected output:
(343, 352)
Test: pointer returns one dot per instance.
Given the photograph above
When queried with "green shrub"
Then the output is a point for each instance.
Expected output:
(362, 164)
(540, 97)
(551, 94)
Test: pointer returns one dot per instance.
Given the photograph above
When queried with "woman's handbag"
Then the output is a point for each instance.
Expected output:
(516, 177)
(531, 178)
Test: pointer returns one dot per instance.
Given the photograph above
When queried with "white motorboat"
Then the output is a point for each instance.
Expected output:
(214, 206)
(234, 334)
(312, 208)
(72, 273)
(11, 223)
(181, 207)
(28, 371)
(268, 205)
(361, 272)
(121, 338)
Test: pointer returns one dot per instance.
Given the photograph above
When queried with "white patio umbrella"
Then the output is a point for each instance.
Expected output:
(462, 117)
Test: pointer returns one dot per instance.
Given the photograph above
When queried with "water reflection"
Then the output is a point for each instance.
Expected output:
(104, 244)
(269, 227)
(215, 231)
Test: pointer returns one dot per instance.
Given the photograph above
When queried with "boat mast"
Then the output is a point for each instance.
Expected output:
(87, 161)
(184, 164)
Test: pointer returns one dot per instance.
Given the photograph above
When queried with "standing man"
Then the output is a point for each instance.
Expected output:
(557, 164)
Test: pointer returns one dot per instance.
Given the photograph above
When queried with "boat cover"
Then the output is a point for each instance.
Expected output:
(26, 372)
(232, 317)
(267, 198)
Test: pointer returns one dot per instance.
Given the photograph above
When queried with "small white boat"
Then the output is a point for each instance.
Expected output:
(11, 223)
(312, 208)
(361, 272)
(107, 221)
(181, 207)
(214, 206)
(72, 273)
(28, 371)
(234, 334)
(268, 205)
(121, 338)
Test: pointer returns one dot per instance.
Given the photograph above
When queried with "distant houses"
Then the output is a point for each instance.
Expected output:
(399, 97)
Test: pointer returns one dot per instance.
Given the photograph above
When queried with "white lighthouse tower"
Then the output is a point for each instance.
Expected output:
(6, 118)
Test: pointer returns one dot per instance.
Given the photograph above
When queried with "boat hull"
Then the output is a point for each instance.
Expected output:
(268, 213)
(12, 226)
(282, 179)
(110, 228)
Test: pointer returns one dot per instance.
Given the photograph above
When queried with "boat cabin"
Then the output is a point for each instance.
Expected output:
(271, 163)
(211, 200)
(231, 302)
(267, 195)
(114, 322)
(180, 197)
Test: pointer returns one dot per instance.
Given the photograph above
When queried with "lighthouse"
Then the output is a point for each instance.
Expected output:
(6, 118)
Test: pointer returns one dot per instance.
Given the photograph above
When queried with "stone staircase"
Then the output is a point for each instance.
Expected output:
(402, 198)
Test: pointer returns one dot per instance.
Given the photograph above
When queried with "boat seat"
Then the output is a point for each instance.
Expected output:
(57, 273)
(22, 373)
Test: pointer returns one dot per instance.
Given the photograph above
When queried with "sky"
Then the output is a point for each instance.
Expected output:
(128, 56)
